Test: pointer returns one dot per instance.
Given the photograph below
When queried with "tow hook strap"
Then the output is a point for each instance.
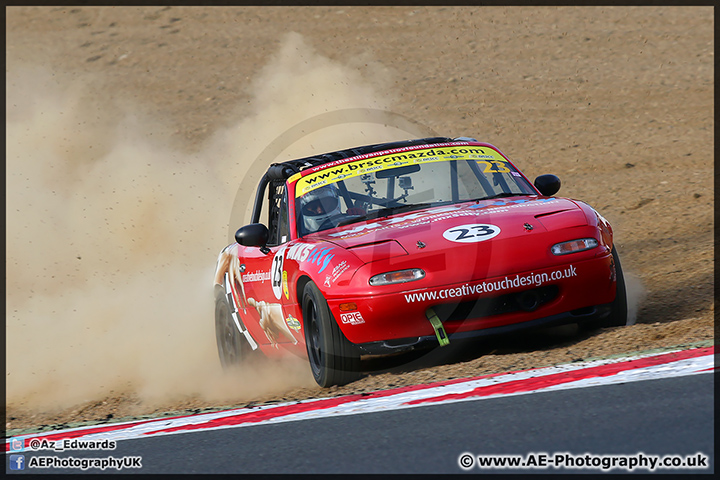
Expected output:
(438, 326)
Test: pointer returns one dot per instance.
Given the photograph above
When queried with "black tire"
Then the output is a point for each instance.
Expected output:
(233, 348)
(619, 314)
(333, 359)
(619, 311)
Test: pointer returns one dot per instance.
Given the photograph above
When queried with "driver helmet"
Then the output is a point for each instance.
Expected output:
(319, 205)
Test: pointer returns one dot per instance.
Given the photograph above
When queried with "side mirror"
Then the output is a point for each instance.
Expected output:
(547, 184)
(253, 235)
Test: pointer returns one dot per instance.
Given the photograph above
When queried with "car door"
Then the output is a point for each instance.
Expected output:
(265, 279)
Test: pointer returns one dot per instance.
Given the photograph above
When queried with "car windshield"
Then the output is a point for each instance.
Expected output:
(395, 183)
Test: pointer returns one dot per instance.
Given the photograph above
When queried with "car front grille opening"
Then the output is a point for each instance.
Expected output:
(527, 300)
(582, 311)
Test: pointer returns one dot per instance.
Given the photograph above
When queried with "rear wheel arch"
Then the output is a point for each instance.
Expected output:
(233, 348)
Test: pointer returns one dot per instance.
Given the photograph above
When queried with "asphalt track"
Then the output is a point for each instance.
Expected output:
(667, 416)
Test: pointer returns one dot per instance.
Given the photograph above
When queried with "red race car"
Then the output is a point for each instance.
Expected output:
(392, 247)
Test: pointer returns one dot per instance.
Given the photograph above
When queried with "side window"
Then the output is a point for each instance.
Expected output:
(278, 214)
(283, 221)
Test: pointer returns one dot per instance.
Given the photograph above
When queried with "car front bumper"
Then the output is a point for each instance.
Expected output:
(567, 293)
(386, 347)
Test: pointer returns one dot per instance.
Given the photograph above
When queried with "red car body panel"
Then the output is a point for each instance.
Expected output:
(458, 269)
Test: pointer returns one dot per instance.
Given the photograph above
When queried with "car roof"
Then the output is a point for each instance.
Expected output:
(283, 170)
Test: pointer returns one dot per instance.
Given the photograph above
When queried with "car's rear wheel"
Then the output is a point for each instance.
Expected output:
(619, 311)
(233, 348)
(334, 360)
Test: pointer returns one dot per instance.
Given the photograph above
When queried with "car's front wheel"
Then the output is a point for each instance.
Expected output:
(619, 309)
(334, 360)
(619, 314)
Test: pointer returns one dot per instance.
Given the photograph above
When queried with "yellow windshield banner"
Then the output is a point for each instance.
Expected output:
(483, 155)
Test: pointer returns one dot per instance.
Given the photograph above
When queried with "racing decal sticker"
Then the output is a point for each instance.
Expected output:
(321, 258)
(258, 276)
(276, 271)
(494, 166)
(232, 299)
(342, 161)
(299, 252)
(497, 285)
(486, 155)
(338, 270)
(314, 254)
(272, 321)
(286, 291)
(295, 177)
(437, 214)
(293, 323)
(229, 263)
(471, 233)
(353, 318)
(507, 203)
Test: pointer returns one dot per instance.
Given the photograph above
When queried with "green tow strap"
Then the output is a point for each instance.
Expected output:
(438, 326)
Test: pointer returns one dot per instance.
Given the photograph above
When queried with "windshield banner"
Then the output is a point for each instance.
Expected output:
(490, 159)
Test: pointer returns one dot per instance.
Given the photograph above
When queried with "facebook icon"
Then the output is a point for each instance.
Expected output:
(17, 462)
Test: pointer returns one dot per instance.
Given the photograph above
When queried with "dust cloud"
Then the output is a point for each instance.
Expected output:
(113, 231)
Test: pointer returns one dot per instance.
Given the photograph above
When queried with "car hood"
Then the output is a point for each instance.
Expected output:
(516, 224)
(510, 215)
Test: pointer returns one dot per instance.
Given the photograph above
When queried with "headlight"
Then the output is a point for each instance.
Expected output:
(401, 276)
(574, 246)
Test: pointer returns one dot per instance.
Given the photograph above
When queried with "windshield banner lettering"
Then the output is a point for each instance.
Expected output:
(327, 176)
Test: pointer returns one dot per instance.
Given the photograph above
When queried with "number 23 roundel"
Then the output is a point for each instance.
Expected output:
(471, 233)
(276, 272)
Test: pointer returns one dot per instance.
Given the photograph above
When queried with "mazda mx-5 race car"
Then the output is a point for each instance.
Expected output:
(391, 247)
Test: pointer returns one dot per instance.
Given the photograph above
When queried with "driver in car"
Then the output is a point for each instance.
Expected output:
(321, 208)
(318, 206)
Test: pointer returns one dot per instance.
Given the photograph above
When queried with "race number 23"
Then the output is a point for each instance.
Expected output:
(494, 166)
(276, 271)
(471, 233)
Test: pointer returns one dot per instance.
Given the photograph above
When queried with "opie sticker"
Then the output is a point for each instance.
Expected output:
(353, 318)
(471, 233)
